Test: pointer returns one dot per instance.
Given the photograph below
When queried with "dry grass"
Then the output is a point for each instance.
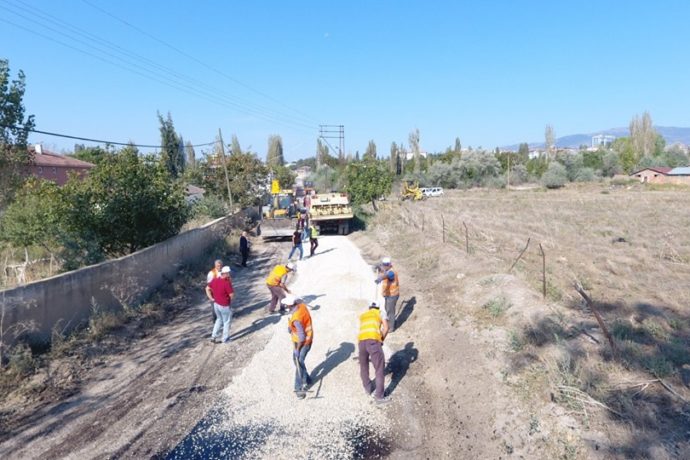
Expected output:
(630, 249)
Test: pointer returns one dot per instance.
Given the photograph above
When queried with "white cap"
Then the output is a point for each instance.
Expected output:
(386, 261)
(289, 300)
(225, 269)
(290, 266)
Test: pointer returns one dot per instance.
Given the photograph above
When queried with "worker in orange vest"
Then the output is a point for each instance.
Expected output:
(300, 328)
(390, 289)
(276, 284)
(373, 328)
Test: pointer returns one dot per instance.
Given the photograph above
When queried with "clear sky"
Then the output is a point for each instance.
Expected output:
(489, 72)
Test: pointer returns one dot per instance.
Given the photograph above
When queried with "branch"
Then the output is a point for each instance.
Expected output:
(520, 255)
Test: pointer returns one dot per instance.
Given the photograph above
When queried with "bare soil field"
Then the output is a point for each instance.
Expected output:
(628, 247)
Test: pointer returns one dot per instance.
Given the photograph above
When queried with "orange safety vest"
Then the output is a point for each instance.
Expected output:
(302, 315)
(391, 288)
(370, 325)
(276, 276)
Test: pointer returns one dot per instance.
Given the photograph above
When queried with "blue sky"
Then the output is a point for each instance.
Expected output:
(491, 73)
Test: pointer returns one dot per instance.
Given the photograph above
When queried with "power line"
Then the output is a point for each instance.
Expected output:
(193, 58)
(192, 88)
(67, 136)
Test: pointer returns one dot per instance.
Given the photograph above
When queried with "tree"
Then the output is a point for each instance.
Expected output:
(191, 154)
(414, 146)
(127, 202)
(523, 149)
(549, 141)
(610, 164)
(555, 175)
(623, 146)
(457, 149)
(370, 152)
(248, 177)
(14, 133)
(235, 148)
(642, 136)
(393, 159)
(286, 177)
(93, 155)
(172, 149)
(274, 157)
(367, 181)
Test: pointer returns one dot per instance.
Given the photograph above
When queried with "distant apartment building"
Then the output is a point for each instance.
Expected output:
(410, 155)
(602, 140)
(54, 167)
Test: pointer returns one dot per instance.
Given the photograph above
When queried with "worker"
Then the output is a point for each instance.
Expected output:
(300, 328)
(214, 273)
(313, 238)
(296, 244)
(244, 248)
(276, 284)
(390, 289)
(220, 292)
(373, 328)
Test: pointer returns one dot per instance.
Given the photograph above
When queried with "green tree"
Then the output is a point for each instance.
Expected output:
(370, 152)
(172, 148)
(457, 149)
(610, 164)
(190, 154)
(235, 148)
(523, 149)
(627, 156)
(286, 177)
(414, 146)
(274, 157)
(555, 175)
(248, 177)
(14, 133)
(642, 136)
(93, 155)
(128, 202)
(367, 181)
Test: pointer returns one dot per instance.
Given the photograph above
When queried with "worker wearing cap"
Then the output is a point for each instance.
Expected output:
(220, 292)
(373, 328)
(390, 289)
(299, 326)
(214, 273)
(276, 284)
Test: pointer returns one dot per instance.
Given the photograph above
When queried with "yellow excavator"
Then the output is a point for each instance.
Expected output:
(411, 192)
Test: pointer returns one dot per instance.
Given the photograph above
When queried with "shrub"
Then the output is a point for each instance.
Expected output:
(555, 175)
(518, 175)
(210, 206)
(585, 175)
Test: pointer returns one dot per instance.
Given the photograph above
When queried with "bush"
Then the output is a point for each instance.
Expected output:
(210, 206)
(585, 175)
(555, 175)
(518, 175)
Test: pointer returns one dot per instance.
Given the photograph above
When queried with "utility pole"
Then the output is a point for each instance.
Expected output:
(334, 132)
(225, 167)
(508, 173)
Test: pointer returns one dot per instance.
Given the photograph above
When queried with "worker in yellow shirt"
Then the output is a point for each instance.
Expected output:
(276, 284)
(373, 327)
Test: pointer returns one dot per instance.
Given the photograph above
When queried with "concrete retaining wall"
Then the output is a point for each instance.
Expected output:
(69, 298)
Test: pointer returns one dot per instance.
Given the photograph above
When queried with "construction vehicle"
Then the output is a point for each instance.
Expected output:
(279, 216)
(411, 192)
(331, 212)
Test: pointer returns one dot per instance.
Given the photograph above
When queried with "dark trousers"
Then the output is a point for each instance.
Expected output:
(213, 311)
(245, 254)
(302, 379)
(277, 294)
(314, 244)
(371, 350)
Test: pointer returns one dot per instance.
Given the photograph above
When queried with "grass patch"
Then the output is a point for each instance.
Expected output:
(497, 307)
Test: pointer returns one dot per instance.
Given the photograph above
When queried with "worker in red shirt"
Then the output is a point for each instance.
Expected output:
(220, 292)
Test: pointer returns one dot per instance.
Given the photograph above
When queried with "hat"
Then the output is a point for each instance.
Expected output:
(390, 274)
(290, 266)
(386, 261)
(373, 305)
(288, 300)
(226, 269)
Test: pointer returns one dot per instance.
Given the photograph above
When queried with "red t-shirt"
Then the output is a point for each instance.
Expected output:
(221, 289)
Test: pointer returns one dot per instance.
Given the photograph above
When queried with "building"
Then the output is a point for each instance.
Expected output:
(55, 167)
(663, 175)
(602, 140)
(410, 155)
(194, 193)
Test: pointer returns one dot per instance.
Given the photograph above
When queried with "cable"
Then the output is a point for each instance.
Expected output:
(188, 56)
(157, 76)
(47, 133)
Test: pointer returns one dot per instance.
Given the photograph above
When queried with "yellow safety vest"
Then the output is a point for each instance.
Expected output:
(276, 275)
(314, 233)
(370, 325)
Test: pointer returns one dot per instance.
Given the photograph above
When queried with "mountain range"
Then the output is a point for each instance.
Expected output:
(671, 134)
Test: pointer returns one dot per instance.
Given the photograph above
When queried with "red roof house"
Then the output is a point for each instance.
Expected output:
(657, 174)
(55, 167)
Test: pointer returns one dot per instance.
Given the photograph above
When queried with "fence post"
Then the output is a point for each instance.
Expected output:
(443, 224)
(600, 320)
(520, 255)
(467, 238)
(543, 271)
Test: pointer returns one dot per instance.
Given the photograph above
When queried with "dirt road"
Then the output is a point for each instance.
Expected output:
(176, 395)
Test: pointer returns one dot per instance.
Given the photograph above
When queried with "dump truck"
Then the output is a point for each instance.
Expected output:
(331, 213)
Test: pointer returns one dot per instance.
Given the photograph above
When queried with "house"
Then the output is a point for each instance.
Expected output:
(55, 167)
(193, 193)
(664, 175)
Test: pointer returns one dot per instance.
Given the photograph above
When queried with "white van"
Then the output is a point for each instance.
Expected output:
(433, 191)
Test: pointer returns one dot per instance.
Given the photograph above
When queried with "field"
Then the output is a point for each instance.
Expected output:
(628, 247)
